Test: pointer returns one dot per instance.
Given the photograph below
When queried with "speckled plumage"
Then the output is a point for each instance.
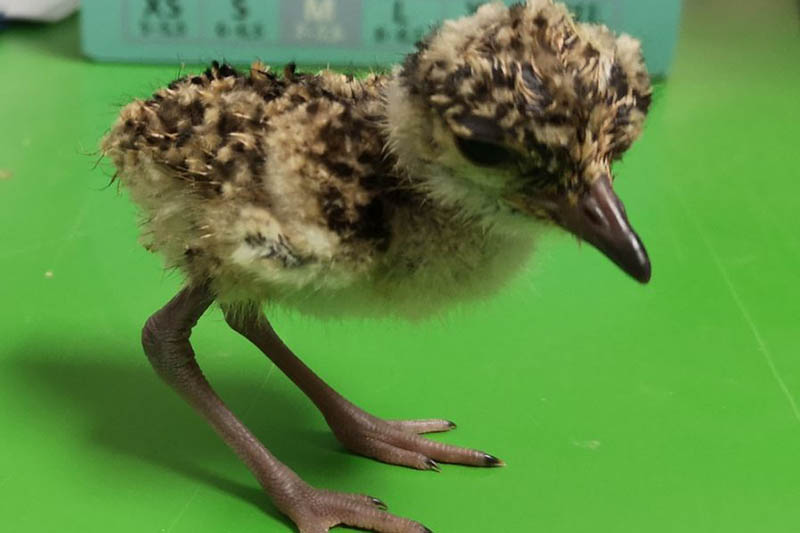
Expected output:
(337, 195)
(398, 194)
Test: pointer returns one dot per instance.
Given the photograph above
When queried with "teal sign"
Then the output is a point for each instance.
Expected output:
(336, 32)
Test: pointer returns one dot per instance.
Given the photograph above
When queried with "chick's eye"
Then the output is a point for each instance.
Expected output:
(482, 153)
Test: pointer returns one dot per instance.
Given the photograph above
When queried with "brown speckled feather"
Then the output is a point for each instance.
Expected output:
(394, 195)
(398, 193)
(276, 155)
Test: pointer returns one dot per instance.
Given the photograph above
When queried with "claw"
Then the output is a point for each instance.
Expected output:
(452, 424)
(433, 465)
(493, 461)
(379, 504)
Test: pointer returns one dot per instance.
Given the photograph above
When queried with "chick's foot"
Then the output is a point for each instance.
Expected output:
(316, 511)
(399, 442)
(391, 441)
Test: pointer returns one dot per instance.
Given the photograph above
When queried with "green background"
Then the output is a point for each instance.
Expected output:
(187, 29)
(619, 408)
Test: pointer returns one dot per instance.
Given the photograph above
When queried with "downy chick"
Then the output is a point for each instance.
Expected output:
(398, 194)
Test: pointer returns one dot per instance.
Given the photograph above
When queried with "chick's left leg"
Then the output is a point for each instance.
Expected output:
(391, 441)
(165, 338)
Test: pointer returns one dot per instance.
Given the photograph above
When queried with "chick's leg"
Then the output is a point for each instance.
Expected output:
(166, 341)
(391, 441)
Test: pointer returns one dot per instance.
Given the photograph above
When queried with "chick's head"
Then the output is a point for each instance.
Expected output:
(515, 115)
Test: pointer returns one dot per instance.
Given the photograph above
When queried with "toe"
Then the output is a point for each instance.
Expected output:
(423, 426)
(396, 455)
(383, 522)
(447, 453)
(362, 499)
(325, 509)
(356, 500)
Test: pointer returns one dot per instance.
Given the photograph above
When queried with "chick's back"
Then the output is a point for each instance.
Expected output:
(259, 179)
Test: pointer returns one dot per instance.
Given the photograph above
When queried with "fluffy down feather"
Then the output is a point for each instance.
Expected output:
(342, 196)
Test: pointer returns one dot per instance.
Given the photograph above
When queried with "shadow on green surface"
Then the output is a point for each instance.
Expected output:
(126, 410)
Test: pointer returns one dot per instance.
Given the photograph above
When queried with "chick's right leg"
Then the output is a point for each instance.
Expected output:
(398, 442)
(166, 342)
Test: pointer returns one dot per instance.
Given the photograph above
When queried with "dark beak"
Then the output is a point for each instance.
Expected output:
(599, 218)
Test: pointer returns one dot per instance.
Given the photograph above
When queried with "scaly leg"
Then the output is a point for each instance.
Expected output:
(391, 441)
(166, 341)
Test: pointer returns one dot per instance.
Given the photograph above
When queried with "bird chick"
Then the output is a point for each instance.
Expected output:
(397, 194)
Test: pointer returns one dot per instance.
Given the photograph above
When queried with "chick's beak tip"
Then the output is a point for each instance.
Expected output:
(599, 218)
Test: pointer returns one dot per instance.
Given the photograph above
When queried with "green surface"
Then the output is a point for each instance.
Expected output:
(619, 408)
